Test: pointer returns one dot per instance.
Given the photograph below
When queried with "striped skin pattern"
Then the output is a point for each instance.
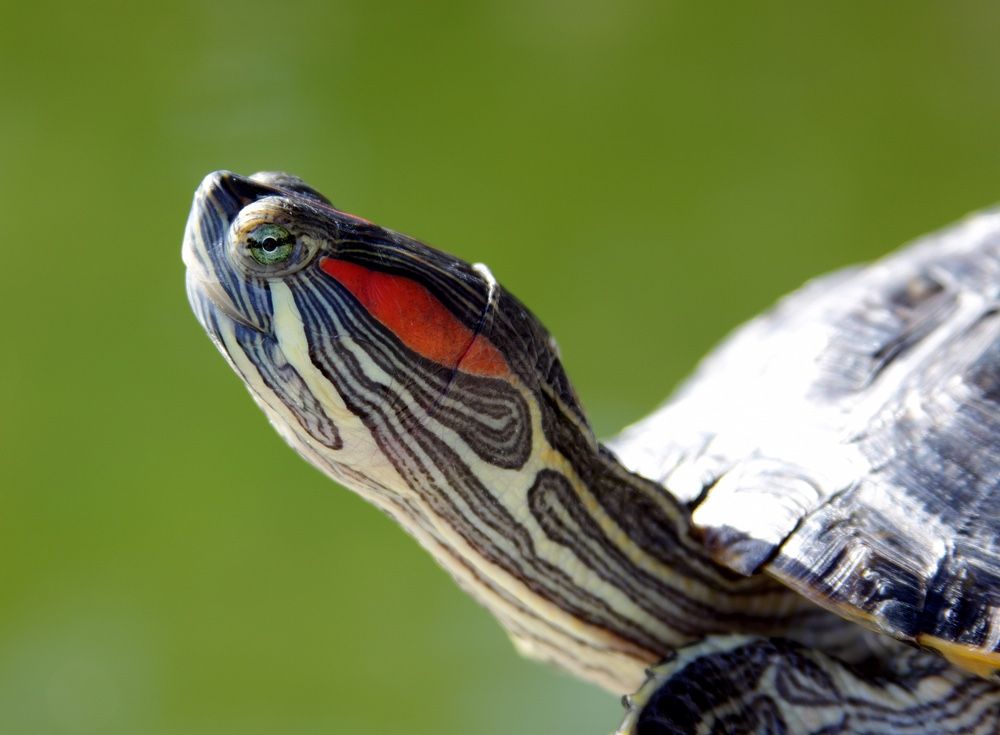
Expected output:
(495, 471)
(417, 381)
(736, 684)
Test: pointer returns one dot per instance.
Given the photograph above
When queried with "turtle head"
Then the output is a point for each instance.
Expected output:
(377, 357)
(416, 380)
(245, 233)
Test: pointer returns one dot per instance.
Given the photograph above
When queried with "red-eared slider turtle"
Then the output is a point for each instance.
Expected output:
(834, 460)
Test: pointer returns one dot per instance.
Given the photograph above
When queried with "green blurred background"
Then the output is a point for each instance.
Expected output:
(644, 175)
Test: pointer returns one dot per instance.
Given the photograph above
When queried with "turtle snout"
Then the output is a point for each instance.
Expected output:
(228, 193)
(213, 284)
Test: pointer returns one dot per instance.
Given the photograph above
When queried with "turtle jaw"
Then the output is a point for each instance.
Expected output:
(217, 202)
(214, 289)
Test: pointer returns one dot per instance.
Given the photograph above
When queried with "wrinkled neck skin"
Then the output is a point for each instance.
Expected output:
(585, 564)
(418, 382)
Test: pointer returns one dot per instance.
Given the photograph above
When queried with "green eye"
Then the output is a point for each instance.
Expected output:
(270, 244)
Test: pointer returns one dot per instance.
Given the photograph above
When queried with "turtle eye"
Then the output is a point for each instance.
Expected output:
(270, 244)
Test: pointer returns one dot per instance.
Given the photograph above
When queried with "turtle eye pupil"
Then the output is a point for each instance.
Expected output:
(270, 244)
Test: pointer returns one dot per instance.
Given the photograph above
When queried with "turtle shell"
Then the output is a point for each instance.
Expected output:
(848, 443)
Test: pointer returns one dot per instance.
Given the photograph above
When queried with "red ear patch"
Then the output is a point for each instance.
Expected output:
(420, 321)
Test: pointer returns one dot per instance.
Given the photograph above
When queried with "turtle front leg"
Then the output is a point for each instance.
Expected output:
(737, 684)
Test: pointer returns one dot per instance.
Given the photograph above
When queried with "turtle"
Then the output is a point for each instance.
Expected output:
(805, 538)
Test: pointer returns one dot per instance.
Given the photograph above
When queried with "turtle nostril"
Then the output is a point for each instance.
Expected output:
(224, 194)
(242, 189)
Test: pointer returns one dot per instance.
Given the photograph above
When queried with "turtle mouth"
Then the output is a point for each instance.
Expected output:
(218, 200)
(208, 299)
